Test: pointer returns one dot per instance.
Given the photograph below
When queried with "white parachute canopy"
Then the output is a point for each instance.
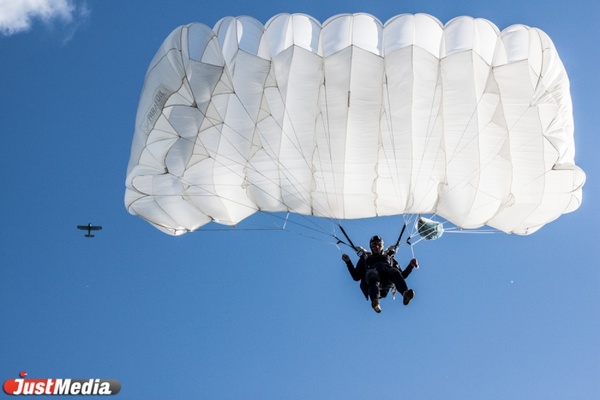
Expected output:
(353, 118)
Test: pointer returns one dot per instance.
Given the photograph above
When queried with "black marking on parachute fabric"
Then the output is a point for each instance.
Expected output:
(158, 102)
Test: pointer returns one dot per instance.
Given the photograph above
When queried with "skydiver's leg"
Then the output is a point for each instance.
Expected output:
(364, 288)
(395, 276)
(372, 279)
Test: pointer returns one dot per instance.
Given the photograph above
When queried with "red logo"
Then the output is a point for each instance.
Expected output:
(53, 386)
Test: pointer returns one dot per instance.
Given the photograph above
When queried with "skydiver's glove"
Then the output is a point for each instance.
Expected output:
(414, 263)
(360, 251)
(391, 250)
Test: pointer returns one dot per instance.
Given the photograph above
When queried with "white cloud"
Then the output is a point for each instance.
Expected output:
(18, 15)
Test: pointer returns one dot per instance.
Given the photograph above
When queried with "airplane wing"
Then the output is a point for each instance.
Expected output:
(89, 227)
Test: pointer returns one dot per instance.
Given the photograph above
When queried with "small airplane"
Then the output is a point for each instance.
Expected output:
(89, 228)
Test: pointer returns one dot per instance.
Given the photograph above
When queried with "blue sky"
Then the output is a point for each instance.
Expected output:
(266, 314)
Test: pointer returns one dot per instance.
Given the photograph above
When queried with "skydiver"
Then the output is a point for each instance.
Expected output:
(378, 272)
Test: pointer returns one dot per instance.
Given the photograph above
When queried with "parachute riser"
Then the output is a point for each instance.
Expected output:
(347, 238)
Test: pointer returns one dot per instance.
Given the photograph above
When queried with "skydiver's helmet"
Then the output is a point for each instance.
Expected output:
(374, 239)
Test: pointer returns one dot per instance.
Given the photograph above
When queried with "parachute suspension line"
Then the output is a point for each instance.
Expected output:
(431, 125)
(432, 121)
(249, 164)
(190, 184)
(458, 149)
(326, 124)
(309, 224)
(296, 143)
(287, 216)
(308, 228)
(471, 231)
(485, 162)
(434, 116)
(417, 164)
(409, 221)
(461, 146)
(393, 169)
(233, 200)
(271, 154)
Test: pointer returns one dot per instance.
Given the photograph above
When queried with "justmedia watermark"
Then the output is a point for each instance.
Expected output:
(24, 386)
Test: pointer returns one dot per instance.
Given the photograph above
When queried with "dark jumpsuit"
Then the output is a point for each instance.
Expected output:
(378, 274)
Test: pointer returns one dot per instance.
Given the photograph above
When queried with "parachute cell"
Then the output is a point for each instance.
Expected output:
(353, 118)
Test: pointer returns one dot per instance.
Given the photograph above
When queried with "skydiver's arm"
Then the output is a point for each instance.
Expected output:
(353, 271)
(411, 265)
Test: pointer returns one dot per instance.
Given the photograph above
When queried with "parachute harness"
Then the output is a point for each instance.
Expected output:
(390, 252)
(360, 251)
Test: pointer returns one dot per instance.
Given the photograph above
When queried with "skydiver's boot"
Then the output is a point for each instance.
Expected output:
(375, 305)
(407, 296)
